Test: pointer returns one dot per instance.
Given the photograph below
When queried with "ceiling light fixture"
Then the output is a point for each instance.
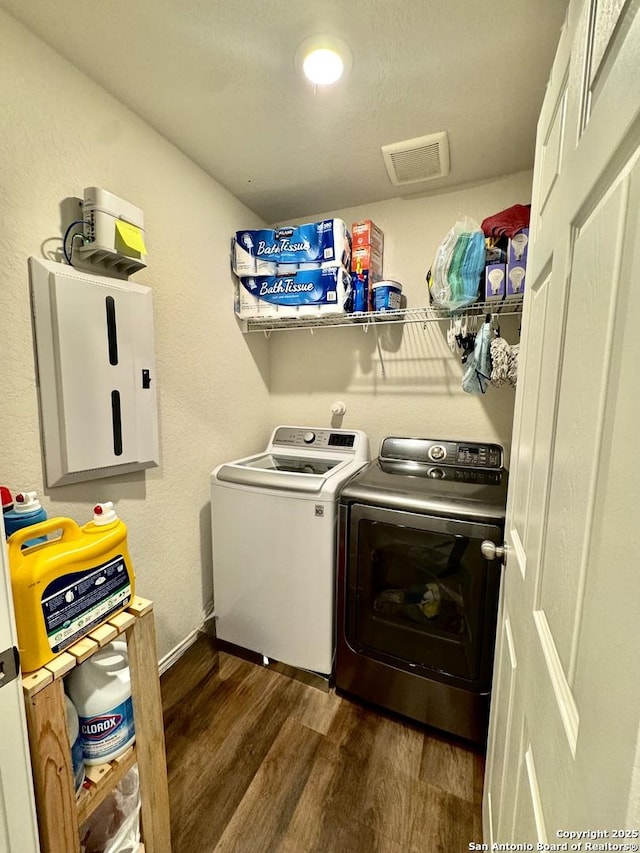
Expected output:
(323, 66)
(323, 59)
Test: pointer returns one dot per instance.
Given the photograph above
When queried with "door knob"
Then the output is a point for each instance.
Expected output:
(491, 551)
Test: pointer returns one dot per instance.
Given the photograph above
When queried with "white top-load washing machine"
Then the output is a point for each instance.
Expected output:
(274, 522)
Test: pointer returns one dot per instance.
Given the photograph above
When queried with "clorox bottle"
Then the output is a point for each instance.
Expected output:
(101, 692)
(66, 587)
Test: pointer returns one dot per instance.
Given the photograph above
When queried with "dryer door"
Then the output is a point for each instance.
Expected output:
(420, 592)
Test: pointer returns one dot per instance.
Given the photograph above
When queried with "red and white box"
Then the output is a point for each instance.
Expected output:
(367, 233)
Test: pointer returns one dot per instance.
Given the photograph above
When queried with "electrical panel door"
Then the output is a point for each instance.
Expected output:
(96, 373)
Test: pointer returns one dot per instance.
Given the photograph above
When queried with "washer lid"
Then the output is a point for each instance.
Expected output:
(300, 460)
(292, 464)
(278, 471)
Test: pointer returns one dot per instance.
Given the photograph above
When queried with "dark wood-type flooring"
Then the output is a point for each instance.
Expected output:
(259, 762)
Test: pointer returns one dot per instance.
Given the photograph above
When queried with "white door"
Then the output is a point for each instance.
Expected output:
(18, 833)
(564, 748)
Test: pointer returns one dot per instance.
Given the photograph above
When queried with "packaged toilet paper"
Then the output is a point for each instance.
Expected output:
(258, 252)
(309, 291)
(244, 260)
(247, 305)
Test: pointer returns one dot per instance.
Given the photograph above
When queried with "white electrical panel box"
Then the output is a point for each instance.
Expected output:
(96, 373)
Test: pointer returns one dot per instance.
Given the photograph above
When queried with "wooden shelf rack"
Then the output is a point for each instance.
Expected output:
(60, 812)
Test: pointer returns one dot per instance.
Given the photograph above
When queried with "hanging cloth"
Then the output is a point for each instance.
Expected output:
(478, 373)
(504, 362)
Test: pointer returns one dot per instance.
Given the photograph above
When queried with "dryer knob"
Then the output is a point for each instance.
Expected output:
(309, 437)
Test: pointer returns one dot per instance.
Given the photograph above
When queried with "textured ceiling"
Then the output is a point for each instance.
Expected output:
(218, 79)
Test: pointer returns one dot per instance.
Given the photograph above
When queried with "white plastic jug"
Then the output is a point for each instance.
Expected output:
(101, 692)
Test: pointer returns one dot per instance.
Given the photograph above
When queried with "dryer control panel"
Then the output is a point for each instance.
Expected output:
(462, 454)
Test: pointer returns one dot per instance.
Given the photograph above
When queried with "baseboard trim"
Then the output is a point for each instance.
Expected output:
(311, 679)
(176, 653)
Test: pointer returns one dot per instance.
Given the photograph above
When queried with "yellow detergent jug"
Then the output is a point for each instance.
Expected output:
(66, 587)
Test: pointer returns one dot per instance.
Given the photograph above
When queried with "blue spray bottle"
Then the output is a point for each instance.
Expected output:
(26, 510)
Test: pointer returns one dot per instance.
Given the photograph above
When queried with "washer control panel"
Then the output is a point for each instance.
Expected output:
(321, 439)
(462, 454)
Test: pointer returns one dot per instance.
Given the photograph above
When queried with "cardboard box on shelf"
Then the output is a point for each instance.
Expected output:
(516, 277)
(366, 258)
(367, 233)
(519, 248)
(517, 254)
(495, 282)
(366, 269)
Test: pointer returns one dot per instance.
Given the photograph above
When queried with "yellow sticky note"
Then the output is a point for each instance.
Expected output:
(131, 236)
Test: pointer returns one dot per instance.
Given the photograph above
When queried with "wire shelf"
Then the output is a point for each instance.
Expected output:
(427, 314)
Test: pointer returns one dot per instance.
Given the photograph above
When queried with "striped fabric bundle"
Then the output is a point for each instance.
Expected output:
(454, 278)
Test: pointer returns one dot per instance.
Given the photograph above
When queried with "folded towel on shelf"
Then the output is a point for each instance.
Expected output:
(508, 221)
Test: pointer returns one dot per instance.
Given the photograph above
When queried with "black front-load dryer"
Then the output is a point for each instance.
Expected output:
(417, 599)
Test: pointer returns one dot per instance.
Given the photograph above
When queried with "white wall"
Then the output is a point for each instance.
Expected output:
(220, 392)
(419, 393)
(59, 133)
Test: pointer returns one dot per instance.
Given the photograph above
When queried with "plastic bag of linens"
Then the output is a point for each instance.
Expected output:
(114, 827)
(455, 275)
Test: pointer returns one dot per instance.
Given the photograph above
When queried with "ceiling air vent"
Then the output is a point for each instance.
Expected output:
(417, 159)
